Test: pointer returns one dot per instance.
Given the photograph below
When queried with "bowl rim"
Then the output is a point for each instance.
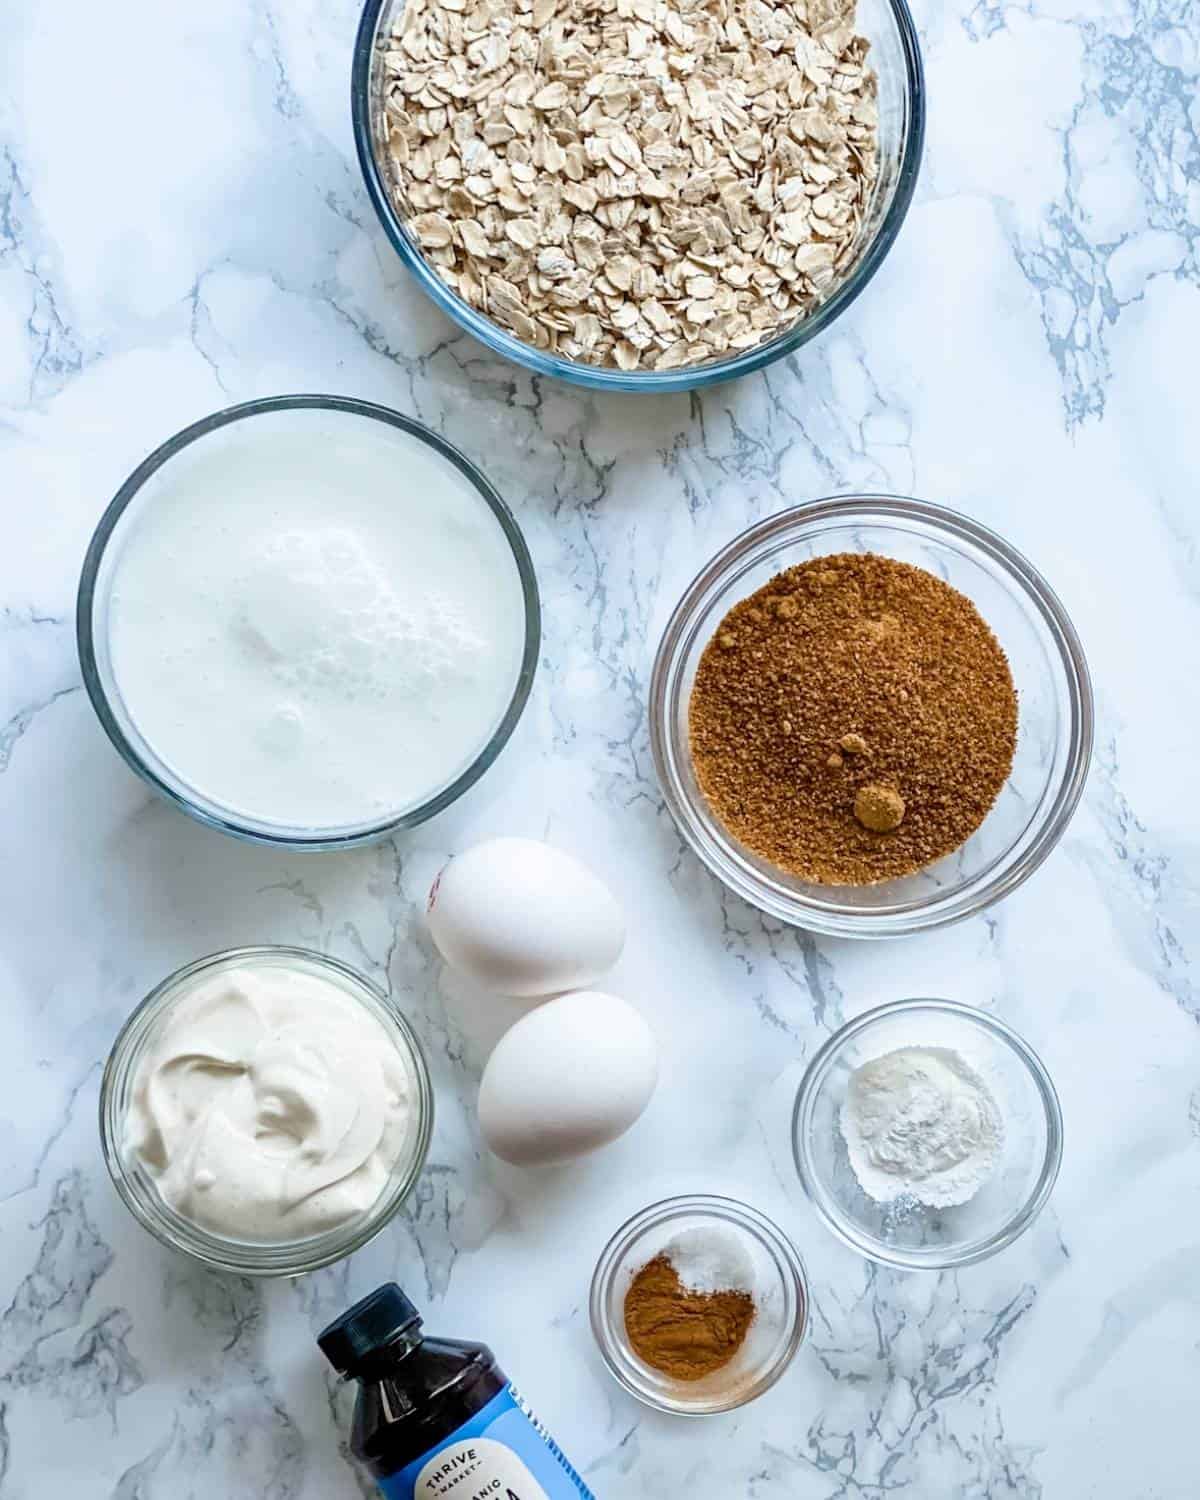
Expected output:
(824, 1203)
(791, 524)
(244, 1258)
(731, 1210)
(602, 377)
(179, 792)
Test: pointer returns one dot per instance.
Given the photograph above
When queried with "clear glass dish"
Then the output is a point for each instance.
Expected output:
(136, 1186)
(91, 621)
(776, 1333)
(908, 1234)
(895, 55)
(1054, 737)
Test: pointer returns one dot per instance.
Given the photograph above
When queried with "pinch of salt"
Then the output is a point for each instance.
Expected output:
(711, 1260)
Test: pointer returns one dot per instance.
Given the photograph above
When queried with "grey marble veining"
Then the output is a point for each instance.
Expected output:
(182, 225)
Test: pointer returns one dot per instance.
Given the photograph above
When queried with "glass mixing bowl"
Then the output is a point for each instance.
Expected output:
(896, 57)
(781, 1291)
(1054, 734)
(277, 416)
(136, 1186)
(905, 1233)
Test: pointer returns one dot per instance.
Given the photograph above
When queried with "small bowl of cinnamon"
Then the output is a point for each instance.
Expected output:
(698, 1304)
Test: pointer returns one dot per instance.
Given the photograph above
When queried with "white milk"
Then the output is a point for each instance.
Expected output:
(315, 621)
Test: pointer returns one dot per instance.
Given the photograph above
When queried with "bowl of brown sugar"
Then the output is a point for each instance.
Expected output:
(871, 716)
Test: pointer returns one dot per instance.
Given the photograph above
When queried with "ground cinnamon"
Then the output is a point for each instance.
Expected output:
(853, 720)
(686, 1335)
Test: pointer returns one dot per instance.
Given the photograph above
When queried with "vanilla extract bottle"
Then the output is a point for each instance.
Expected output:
(437, 1419)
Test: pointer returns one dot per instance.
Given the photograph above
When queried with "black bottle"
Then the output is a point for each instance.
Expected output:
(437, 1418)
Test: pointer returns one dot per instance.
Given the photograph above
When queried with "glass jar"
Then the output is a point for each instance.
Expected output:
(1050, 674)
(895, 56)
(136, 1184)
(781, 1295)
(915, 1236)
(225, 435)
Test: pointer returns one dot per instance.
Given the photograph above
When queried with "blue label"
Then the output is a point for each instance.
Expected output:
(502, 1453)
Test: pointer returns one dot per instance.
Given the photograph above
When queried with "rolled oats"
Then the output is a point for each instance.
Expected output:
(645, 184)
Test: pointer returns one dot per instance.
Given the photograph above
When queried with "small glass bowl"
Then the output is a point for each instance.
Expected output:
(776, 1333)
(906, 1233)
(896, 57)
(91, 622)
(136, 1186)
(1054, 731)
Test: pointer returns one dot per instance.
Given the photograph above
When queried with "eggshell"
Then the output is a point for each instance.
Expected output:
(521, 918)
(568, 1078)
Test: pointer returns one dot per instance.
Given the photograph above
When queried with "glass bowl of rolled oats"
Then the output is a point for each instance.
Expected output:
(640, 194)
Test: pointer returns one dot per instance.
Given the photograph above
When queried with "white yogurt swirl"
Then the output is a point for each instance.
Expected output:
(271, 1106)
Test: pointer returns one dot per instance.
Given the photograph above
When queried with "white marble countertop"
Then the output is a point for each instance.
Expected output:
(182, 226)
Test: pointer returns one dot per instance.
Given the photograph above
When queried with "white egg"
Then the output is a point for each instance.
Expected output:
(521, 918)
(569, 1077)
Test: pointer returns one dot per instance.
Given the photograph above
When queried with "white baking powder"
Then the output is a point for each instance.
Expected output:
(921, 1123)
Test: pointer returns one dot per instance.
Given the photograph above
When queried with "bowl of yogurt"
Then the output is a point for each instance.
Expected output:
(308, 621)
(265, 1110)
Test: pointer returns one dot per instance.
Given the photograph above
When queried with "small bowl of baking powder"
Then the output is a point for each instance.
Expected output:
(927, 1134)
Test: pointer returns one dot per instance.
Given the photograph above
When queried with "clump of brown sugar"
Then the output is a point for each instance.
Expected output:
(853, 720)
(879, 808)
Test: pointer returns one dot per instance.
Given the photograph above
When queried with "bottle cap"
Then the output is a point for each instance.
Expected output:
(376, 1321)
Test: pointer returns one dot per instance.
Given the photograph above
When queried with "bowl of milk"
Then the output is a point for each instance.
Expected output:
(308, 621)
